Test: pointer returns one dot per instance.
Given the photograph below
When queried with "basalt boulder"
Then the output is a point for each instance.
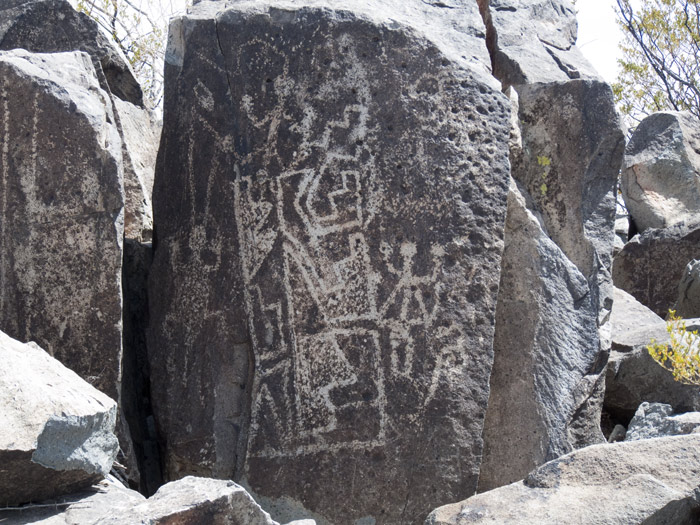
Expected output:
(324, 283)
(661, 175)
(565, 154)
(56, 431)
(651, 481)
(183, 502)
(51, 26)
(546, 342)
(632, 375)
(688, 302)
(61, 213)
(652, 264)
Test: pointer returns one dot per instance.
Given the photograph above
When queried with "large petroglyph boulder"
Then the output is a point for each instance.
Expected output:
(56, 431)
(567, 149)
(652, 481)
(61, 213)
(547, 338)
(324, 285)
(651, 264)
(661, 176)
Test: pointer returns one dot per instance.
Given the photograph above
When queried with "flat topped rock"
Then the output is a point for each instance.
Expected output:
(324, 286)
(455, 25)
(56, 431)
(649, 481)
(633, 324)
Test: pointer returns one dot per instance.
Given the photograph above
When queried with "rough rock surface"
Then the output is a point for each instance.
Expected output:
(567, 161)
(632, 376)
(657, 420)
(544, 307)
(140, 132)
(61, 213)
(533, 41)
(51, 26)
(688, 302)
(326, 279)
(633, 324)
(184, 502)
(56, 431)
(651, 265)
(649, 481)
(32, 25)
(661, 175)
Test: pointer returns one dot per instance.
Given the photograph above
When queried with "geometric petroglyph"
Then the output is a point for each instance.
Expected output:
(326, 339)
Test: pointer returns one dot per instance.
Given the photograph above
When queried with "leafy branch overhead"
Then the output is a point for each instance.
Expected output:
(660, 57)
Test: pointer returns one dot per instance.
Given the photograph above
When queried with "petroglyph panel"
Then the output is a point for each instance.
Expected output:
(347, 225)
(61, 213)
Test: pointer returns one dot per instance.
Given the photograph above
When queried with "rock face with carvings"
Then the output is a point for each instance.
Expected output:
(61, 213)
(661, 176)
(51, 26)
(56, 431)
(552, 328)
(327, 276)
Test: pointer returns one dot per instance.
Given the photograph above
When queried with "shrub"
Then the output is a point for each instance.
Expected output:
(682, 354)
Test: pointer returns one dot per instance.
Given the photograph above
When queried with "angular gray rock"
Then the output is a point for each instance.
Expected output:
(51, 26)
(566, 153)
(323, 289)
(532, 41)
(140, 132)
(632, 376)
(56, 431)
(658, 420)
(187, 501)
(621, 234)
(61, 213)
(688, 302)
(661, 175)
(651, 264)
(546, 342)
(633, 324)
(649, 481)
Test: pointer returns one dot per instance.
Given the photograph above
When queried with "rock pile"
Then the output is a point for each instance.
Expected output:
(381, 277)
